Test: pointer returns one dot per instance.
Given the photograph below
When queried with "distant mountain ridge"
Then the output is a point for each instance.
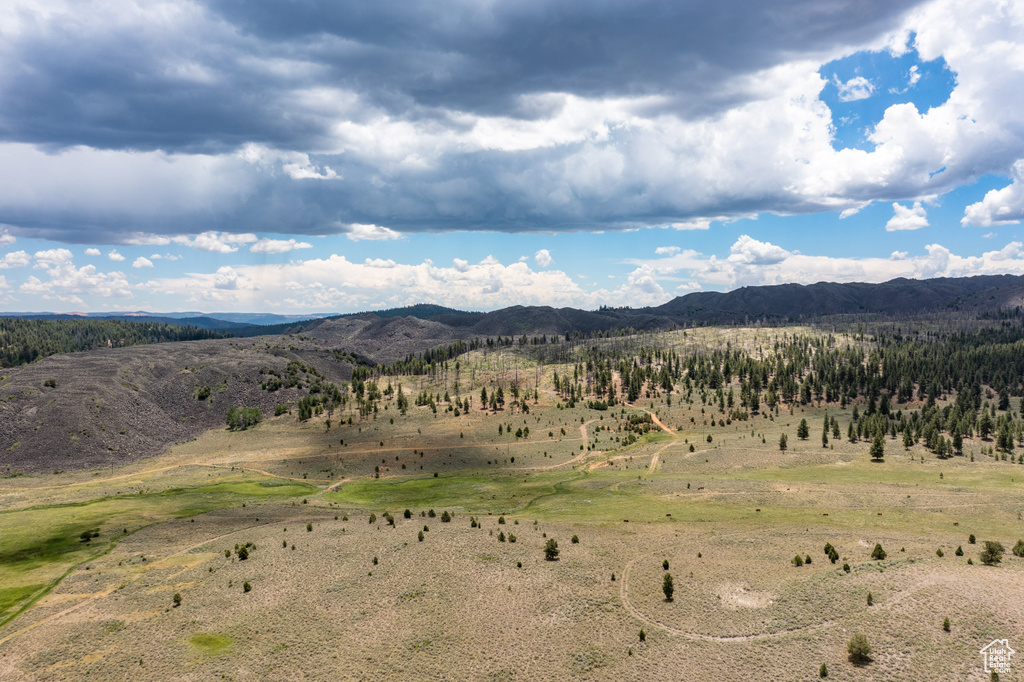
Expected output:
(773, 303)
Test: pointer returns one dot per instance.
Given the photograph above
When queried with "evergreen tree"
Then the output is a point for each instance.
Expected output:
(878, 447)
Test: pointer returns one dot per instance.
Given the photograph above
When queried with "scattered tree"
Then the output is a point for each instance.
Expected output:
(878, 554)
(551, 550)
(667, 587)
(878, 447)
(858, 648)
(992, 554)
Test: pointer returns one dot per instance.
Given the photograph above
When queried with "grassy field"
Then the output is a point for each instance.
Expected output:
(330, 589)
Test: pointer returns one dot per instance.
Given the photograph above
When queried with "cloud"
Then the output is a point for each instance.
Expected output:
(999, 206)
(336, 283)
(115, 256)
(226, 278)
(215, 242)
(753, 263)
(667, 250)
(92, 252)
(854, 89)
(278, 246)
(358, 232)
(903, 218)
(6, 237)
(15, 259)
(654, 114)
(543, 258)
(69, 284)
(913, 76)
(749, 251)
(142, 262)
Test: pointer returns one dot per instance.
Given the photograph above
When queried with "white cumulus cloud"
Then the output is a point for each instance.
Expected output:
(854, 89)
(907, 218)
(142, 262)
(115, 256)
(278, 246)
(92, 252)
(15, 259)
(359, 232)
(999, 206)
(543, 258)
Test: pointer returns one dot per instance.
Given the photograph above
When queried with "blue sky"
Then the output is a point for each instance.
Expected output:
(220, 155)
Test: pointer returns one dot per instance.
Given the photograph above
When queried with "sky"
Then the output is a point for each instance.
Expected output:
(314, 156)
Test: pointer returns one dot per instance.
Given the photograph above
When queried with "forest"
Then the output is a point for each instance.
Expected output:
(24, 340)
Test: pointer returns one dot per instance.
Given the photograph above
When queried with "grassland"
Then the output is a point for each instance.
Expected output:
(336, 593)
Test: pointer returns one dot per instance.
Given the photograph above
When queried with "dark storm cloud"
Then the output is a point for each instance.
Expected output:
(202, 82)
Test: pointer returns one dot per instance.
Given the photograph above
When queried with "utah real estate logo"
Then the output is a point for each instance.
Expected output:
(996, 655)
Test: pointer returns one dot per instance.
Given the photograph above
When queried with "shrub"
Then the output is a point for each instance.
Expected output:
(871, 599)
(823, 671)
(992, 554)
(373, 519)
(501, 519)
(858, 648)
(407, 513)
(970, 539)
(664, 564)
(501, 536)
(667, 587)
(643, 635)
(420, 536)
(945, 624)
(807, 559)
(431, 513)
(878, 554)
(246, 587)
(177, 599)
(959, 551)
(846, 567)
(551, 550)
(511, 537)
(445, 517)
(797, 560)
(243, 553)
(309, 527)
(1018, 549)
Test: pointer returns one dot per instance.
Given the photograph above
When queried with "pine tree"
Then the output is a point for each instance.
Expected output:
(878, 447)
